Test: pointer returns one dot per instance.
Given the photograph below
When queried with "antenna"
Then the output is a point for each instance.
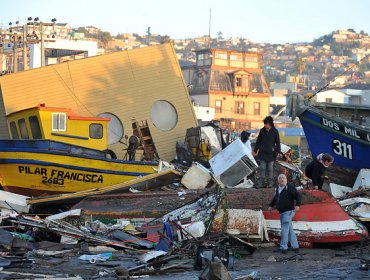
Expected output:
(209, 28)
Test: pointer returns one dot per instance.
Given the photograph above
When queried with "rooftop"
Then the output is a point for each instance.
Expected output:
(227, 50)
(357, 86)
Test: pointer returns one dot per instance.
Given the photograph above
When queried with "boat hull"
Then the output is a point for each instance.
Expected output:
(349, 144)
(32, 170)
(322, 222)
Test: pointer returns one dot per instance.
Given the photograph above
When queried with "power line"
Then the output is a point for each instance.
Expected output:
(344, 72)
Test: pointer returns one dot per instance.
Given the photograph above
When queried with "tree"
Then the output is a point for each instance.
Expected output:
(165, 39)
(148, 33)
(104, 37)
(220, 35)
(300, 65)
(120, 36)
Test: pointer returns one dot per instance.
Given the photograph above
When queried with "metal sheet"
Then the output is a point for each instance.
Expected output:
(239, 221)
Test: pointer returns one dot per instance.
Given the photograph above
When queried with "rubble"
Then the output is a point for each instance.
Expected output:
(173, 221)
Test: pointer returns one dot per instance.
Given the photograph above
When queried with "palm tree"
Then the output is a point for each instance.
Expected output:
(299, 63)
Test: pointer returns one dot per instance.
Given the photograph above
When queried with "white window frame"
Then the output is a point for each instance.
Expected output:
(59, 128)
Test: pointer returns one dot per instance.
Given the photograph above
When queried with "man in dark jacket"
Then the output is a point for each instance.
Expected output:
(287, 201)
(266, 149)
(315, 169)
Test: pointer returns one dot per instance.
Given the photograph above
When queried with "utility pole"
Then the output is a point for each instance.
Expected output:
(18, 37)
(42, 45)
(1, 54)
(25, 49)
(15, 55)
(209, 28)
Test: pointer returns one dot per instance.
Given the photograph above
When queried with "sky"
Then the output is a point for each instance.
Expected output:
(270, 21)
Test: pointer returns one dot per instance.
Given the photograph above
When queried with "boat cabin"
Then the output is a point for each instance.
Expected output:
(59, 124)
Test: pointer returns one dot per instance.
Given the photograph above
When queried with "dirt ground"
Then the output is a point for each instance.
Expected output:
(339, 263)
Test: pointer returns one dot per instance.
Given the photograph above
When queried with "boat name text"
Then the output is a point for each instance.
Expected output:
(54, 176)
(347, 130)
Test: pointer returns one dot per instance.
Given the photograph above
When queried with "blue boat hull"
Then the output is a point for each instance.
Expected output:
(349, 144)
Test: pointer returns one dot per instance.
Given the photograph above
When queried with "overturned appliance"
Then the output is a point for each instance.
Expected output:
(233, 164)
(362, 180)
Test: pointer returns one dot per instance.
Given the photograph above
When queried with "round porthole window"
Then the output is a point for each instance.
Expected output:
(115, 128)
(163, 115)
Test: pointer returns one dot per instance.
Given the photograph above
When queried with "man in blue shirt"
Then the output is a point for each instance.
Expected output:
(287, 201)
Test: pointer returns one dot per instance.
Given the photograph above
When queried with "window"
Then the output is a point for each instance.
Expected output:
(96, 131)
(257, 108)
(221, 55)
(236, 57)
(164, 115)
(13, 130)
(251, 58)
(35, 127)
(202, 56)
(218, 106)
(23, 129)
(59, 122)
(239, 82)
(115, 130)
(329, 100)
(239, 107)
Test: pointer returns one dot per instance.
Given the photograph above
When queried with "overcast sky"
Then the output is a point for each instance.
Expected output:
(273, 21)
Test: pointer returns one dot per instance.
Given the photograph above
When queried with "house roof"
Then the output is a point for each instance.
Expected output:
(357, 86)
(227, 50)
(185, 63)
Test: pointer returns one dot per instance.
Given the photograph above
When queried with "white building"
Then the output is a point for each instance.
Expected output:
(61, 47)
(205, 114)
(359, 93)
(332, 96)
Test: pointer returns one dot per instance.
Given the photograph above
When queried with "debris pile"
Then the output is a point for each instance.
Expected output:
(179, 219)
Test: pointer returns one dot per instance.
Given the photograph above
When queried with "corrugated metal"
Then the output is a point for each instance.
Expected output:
(124, 83)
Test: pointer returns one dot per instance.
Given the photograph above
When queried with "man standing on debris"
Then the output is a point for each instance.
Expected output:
(285, 196)
(315, 169)
(266, 149)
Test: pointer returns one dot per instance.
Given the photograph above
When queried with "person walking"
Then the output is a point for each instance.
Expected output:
(266, 149)
(244, 137)
(316, 168)
(287, 201)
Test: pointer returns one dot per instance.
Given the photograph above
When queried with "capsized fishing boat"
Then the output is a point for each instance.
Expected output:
(320, 218)
(318, 222)
(55, 151)
(338, 129)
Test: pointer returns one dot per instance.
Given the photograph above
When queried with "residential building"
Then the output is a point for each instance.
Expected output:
(232, 83)
(279, 92)
(360, 93)
(332, 96)
(92, 29)
(61, 50)
(204, 114)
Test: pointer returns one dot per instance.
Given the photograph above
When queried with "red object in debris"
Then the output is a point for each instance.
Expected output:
(319, 222)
